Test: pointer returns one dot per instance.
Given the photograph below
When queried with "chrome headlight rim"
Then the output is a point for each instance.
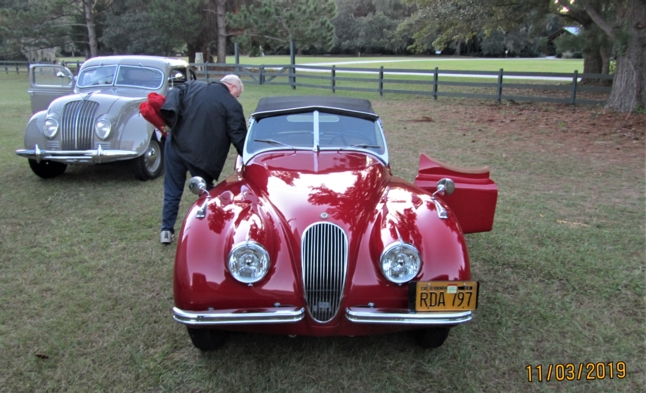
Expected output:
(235, 265)
(102, 128)
(50, 127)
(410, 251)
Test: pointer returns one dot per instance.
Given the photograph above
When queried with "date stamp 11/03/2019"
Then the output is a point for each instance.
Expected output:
(576, 372)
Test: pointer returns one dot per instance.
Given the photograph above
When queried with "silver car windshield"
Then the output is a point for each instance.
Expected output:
(133, 76)
(96, 76)
(127, 76)
(315, 131)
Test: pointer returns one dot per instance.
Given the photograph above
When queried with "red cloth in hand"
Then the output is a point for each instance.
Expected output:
(150, 111)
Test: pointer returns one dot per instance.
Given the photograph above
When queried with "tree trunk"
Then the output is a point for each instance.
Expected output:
(605, 59)
(629, 86)
(222, 31)
(191, 49)
(592, 64)
(91, 30)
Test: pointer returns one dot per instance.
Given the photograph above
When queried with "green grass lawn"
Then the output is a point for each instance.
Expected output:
(414, 62)
(86, 288)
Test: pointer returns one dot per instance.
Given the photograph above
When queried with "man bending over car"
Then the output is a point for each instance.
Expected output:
(205, 119)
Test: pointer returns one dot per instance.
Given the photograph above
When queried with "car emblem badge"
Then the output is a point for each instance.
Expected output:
(324, 216)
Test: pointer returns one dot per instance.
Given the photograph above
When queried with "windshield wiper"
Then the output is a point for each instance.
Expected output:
(273, 142)
(361, 146)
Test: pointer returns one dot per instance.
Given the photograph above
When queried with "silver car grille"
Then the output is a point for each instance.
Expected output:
(77, 125)
(324, 255)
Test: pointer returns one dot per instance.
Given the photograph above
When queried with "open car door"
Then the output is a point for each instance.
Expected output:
(474, 199)
(47, 82)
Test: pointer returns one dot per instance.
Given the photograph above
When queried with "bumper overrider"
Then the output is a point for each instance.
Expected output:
(295, 314)
(76, 156)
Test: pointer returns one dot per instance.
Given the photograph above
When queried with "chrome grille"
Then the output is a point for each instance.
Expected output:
(324, 255)
(77, 125)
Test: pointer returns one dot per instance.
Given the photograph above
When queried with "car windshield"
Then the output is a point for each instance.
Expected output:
(130, 76)
(302, 131)
(150, 78)
(96, 76)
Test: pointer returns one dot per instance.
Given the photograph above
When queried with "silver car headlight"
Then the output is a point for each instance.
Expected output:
(248, 262)
(50, 128)
(400, 262)
(102, 128)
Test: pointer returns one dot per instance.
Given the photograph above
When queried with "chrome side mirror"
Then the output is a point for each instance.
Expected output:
(445, 185)
(197, 185)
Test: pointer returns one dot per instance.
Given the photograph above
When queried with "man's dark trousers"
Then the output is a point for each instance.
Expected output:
(174, 181)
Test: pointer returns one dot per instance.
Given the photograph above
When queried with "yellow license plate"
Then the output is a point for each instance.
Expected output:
(443, 295)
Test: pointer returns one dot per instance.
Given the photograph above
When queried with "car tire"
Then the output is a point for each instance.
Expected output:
(47, 169)
(149, 165)
(432, 337)
(207, 339)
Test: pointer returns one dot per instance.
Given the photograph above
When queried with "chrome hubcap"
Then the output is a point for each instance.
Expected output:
(152, 158)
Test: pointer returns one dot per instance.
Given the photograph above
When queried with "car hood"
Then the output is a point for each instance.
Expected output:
(106, 97)
(306, 187)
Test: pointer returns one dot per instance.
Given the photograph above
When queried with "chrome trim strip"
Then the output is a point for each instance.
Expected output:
(76, 156)
(315, 120)
(405, 317)
(239, 316)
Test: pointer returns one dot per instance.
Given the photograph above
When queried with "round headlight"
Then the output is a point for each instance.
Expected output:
(248, 262)
(400, 262)
(102, 128)
(50, 128)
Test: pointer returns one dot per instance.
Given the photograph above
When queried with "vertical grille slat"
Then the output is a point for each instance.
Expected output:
(77, 125)
(324, 257)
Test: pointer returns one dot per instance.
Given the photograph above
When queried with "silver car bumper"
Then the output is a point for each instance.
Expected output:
(239, 316)
(293, 314)
(77, 156)
(404, 317)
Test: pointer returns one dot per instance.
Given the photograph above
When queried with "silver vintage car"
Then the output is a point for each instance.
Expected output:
(94, 118)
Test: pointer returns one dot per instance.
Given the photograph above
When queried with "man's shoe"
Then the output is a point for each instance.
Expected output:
(166, 237)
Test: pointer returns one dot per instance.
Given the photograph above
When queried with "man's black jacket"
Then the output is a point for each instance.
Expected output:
(205, 119)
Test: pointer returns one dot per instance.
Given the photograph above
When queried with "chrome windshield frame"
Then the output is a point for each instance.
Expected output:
(247, 155)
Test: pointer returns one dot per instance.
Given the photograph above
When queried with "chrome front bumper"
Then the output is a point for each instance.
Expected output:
(405, 317)
(77, 156)
(239, 316)
(294, 314)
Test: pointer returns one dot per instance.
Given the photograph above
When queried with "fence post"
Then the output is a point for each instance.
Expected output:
(6, 68)
(206, 71)
(237, 54)
(333, 79)
(292, 61)
(574, 82)
(261, 78)
(435, 84)
(381, 81)
(500, 86)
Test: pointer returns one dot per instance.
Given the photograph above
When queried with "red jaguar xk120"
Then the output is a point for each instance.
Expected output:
(313, 235)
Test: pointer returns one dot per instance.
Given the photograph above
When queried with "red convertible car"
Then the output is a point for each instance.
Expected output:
(313, 235)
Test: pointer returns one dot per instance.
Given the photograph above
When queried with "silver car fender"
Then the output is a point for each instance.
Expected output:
(135, 132)
(34, 131)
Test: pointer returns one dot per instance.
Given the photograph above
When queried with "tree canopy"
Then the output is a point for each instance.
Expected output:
(272, 23)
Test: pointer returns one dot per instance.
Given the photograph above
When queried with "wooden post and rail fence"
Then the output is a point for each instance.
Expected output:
(497, 85)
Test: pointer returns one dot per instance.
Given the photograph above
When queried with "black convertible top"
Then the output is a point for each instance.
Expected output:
(270, 106)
